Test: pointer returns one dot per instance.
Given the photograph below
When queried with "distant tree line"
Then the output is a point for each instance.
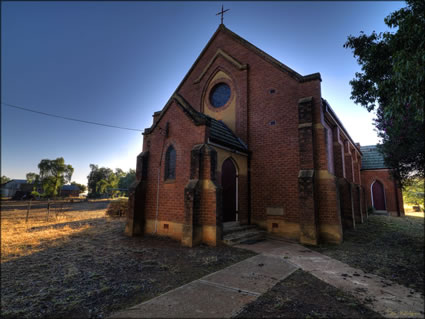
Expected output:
(104, 182)
(4, 179)
(53, 174)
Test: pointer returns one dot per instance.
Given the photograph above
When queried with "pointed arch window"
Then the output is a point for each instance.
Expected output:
(170, 163)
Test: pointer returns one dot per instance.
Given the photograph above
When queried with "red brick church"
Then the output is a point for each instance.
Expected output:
(245, 141)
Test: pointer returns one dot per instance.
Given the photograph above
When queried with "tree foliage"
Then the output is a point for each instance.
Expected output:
(414, 192)
(127, 180)
(82, 187)
(392, 84)
(52, 176)
(4, 179)
(104, 181)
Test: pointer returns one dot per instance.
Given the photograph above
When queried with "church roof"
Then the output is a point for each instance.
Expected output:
(259, 52)
(269, 58)
(372, 158)
(339, 123)
(197, 117)
(221, 134)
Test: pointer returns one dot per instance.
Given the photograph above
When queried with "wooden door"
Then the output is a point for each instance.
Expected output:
(228, 183)
(378, 196)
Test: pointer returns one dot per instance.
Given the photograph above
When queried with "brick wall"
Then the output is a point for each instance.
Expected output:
(383, 175)
(267, 119)
(171, 192)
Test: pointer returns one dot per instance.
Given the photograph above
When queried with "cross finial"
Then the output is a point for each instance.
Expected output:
(222, 13)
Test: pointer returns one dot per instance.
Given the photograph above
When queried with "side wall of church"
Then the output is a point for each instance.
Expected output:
(326, 190)
(167, 217)
(390, 190)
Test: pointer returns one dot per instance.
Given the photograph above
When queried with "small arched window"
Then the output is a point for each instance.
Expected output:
(170, 163)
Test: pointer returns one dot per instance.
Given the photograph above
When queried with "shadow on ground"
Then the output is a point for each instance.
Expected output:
(99, 271)
(390, 247)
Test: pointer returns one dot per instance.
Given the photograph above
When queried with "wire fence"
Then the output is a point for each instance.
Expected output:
(48, 208)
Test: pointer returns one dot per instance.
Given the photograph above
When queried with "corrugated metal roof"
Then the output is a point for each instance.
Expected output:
(221, 134)
(70, 188)
(372, 158)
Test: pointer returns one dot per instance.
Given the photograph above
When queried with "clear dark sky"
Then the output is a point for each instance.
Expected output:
(118, 62)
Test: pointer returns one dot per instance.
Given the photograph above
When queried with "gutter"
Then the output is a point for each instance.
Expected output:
(226, 148)
(329, 110)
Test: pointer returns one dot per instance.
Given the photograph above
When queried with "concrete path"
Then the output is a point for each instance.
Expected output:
(224, 293)
(218, 295)
(383, 296)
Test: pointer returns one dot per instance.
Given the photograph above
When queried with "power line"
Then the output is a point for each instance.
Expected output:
(69, 118)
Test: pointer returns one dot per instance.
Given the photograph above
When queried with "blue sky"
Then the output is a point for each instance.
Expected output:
(118, 62)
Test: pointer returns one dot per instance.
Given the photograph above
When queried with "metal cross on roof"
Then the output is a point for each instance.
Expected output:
(222, 13)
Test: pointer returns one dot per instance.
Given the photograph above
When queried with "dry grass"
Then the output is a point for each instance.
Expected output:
(81, 265)
(20, 238)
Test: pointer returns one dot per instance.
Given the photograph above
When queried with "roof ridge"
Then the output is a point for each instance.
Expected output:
(272, 60)
(197, 117)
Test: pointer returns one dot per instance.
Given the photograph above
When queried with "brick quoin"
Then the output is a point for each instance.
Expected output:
(299, 158)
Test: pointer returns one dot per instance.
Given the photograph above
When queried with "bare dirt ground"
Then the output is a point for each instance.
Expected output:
(302, 295)
(81, 265)
(390, 247)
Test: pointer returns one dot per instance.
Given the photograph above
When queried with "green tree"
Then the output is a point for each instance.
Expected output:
(127, 180)
(33, 178)
(54, 174)
(99, 180)
(392, 84)
(103, 180)
(82, 187)
(4, 179)
(414, 192)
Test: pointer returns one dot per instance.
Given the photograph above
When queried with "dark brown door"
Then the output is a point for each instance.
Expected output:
(378, 196)
(228, 182)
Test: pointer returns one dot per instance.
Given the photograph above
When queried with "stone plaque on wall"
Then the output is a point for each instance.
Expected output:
(275, 211)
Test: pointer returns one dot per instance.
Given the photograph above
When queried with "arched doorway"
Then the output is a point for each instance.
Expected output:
(229, 184)
(378, 196)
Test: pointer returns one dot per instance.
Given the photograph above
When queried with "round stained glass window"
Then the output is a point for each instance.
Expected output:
(219, 95)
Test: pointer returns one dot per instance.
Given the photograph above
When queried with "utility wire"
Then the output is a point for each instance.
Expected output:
(69, 118)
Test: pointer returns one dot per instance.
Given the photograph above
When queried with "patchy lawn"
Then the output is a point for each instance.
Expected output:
(302, 295)
(391, 247)
(81, 265)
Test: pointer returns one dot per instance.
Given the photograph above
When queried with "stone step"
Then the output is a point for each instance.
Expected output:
(231, 224)
(243, 236)
(234, 229)
(380, 212)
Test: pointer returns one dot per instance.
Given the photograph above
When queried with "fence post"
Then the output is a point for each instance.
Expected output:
(28, 210)
(48, 208)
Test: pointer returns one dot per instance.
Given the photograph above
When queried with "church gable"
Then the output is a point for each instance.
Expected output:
(249, 74)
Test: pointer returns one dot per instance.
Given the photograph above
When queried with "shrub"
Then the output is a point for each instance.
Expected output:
(117, 208)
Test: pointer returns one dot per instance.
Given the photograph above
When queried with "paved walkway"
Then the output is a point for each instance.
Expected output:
(224, 293)
(383, 296)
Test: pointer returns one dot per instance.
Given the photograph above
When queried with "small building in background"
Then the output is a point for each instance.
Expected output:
(70, 190)
(10, 188)
(383, 194)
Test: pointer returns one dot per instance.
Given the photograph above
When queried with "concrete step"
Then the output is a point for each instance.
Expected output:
(231, 224)
(234, 229)
(244, 236)
(380, 212)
